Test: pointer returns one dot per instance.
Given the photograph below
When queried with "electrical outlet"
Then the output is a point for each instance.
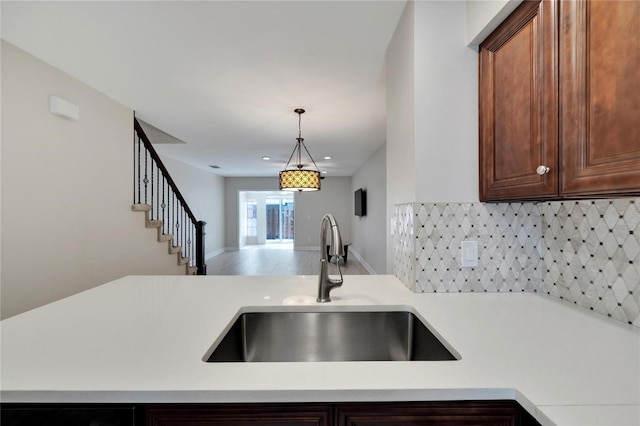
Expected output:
(469, 253)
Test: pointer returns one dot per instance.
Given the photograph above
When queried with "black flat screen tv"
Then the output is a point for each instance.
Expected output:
(361, 202)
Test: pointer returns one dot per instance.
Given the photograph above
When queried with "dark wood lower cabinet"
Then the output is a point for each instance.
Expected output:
(458, 413)
(450, 413)
(69, 415)
(467, 413)
(239, 415)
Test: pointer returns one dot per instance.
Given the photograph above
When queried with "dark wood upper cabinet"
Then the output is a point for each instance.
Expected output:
(518, 105)
(599, 97)
(560, 102)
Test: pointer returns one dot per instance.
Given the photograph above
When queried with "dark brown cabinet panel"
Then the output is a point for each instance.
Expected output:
(239, 415)
(68, 415)
(560, 88)
(446, 413)
(600, 97)
(449, 413)
(518, 105)
(503, 413)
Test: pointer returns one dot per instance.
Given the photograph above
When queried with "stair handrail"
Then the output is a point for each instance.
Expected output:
(199, 225)
(161, 166)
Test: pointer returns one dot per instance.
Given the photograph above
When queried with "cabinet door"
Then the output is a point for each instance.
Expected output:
(503, 413)
(519, 105)
(239, 415)
(600, 97)
(67, 415)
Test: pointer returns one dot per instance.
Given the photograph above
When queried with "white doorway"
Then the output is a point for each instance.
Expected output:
(266, 218)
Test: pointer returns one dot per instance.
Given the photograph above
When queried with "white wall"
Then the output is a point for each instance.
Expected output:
(67, 190)
(436, 125)
(334, 197)
(401, 162)
(399, 68)
(368, 232)
(446, 105)
(204, 193)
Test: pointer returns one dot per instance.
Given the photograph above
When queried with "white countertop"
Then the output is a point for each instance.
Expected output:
(142, 339)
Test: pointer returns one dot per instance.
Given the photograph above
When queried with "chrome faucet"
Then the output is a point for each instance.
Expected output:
(326, 284)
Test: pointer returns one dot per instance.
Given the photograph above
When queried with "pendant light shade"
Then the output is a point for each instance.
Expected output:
(298, 178)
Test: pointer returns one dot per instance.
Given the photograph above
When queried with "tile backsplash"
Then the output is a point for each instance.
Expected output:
(592, 255)
(429, 235)
(584, 252)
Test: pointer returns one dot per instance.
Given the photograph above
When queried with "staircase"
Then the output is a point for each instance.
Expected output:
(156, 194)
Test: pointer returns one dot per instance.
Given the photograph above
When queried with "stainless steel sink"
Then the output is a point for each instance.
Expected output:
(328, 336)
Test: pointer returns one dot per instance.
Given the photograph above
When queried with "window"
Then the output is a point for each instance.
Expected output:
(252, 219)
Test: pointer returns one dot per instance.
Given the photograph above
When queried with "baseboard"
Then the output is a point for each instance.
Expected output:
(352, 252)
(214, 253)
(364, 263)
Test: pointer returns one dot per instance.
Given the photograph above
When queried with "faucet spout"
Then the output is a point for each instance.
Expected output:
(336, 248)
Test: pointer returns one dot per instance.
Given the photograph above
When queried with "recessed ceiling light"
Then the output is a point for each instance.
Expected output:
(324, 172)
(266, 158)
(328, 157)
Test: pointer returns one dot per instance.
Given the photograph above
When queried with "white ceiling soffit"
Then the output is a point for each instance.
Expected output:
(156, 135)
(225, 76)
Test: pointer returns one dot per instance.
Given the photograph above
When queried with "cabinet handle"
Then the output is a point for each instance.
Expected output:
(542, 170)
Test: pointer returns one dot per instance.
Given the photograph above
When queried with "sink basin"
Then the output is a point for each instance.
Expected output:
(328, 336)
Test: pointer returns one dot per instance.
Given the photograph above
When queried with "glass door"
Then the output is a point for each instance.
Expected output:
(279, 218)
(265, 217)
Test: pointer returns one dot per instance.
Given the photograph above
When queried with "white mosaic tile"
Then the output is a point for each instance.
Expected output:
(404, 255)
(583, 252)
(592, 255)
(509, 251)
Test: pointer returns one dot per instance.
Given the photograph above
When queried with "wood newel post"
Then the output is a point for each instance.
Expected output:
(200, 244)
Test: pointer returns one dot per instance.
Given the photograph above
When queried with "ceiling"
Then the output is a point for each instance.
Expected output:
(225, 76)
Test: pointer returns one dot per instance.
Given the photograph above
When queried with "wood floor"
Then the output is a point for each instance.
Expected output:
(276, 259)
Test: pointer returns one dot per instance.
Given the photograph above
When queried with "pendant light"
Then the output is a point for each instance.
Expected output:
(298, 178)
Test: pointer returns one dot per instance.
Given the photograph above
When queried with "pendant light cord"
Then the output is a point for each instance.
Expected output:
(300, 141)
